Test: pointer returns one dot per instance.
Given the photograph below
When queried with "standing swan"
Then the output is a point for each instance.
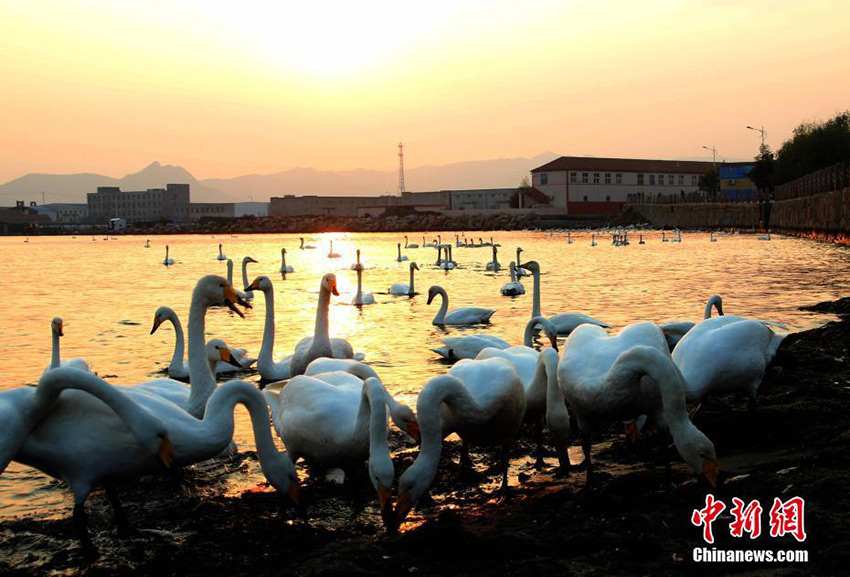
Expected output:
(360, 298)
(565, 323)
(57, 331)
(168, 260)
(463, 316)
(619, 378)
(513, 288)
(331, 253)
(482, 401)
(400, 289)
(400, 257)
(284, 268)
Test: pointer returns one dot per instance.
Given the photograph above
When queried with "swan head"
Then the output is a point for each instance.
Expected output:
(56, 326)
(215, 290)
(247, 259)
(261, 283)
(405, 419)
(329, 284)
(433, 292)
(217, 350)
(697, 450)
(161, 315)
(717, 302)
(414, 266)
(531, 265)
(411, 486)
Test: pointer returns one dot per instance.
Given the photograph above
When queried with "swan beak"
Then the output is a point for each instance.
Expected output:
(294, 493)
(554, 340)
(631, 432)
(165, 453)
(333, 289)
(416, 266)
(251, 260)
(385, 501)
(405, 504)
(156, 322)
(254, 286)
(413, 431)
(711, 470)
(228, 357)
(231, 299)
(57, 328)
(430, 298)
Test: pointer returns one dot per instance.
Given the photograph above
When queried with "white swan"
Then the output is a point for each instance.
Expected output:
(241, 294)
(468, 346)
(463, 316)
(513, 288)
(331, 253)
(409, 245)
(305, 246)
(57, 331)
(675, 330)
(482, 401)
(147, 243)
(519, 271)
(361, 298)
(400, 257)
(428, 244)
(592, 240)
(619, 378)
(168, 260)
(220, 254)
(711, 237)
(178, 368)
(401, 289)
(245, 260)
(284, 268)
(565, 323)
(337, 427)
(494, 265)
(765, 237)
(726, 354)
(448, 263)
(86, 443)
(270, 370)
(569, 238)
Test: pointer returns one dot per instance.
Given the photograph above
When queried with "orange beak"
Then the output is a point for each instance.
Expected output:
(711, 470)
(632, 432)
(413, 431)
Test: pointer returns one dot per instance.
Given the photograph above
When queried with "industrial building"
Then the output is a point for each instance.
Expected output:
(154, 204)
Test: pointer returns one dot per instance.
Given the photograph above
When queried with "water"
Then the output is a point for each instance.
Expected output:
(107, 291)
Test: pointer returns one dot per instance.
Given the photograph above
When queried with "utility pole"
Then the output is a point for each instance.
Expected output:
(761, 130)
(713, 155)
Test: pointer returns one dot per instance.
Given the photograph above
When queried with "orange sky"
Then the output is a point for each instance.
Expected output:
(228, 88)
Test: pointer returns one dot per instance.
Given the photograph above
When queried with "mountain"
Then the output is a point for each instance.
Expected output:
(475, 174)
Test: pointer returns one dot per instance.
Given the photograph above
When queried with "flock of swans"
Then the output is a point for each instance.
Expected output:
(331, 409)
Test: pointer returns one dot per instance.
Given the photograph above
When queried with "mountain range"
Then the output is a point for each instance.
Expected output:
(259, 187)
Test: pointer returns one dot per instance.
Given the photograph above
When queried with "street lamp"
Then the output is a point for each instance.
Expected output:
(761, 130)
(713, 155)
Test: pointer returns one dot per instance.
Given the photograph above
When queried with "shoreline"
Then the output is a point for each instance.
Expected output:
(637, 520)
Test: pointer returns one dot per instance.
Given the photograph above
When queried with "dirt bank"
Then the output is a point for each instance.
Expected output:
(636, 521)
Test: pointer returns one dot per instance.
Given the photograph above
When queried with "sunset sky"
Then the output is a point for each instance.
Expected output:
(228, 88)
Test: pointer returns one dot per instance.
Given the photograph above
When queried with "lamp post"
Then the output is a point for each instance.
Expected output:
(713, 155)
(761, 130)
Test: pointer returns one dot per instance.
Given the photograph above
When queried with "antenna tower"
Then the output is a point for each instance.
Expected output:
(401, 189)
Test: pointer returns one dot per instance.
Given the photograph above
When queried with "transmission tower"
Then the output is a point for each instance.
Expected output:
(401, 189)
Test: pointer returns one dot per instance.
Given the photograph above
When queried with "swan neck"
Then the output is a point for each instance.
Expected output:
(320, 333)
(444, 306)
(55, 358)
(535, 310)
(179, 343)
(267, 346)
(411, 290)
(201, 378)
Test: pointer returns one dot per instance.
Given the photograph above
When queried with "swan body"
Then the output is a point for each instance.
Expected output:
(168, 260)
(675, 330)
(468, 347)
(765, 237)
(331, 253)
(57, 331)
(619, 378)
(726, 354)
(361, 298)
(462, 316)
(482, 401)
(401, 289)
(409, 245)
(515, 287)
(400, 257)
(565, 323)
(284, 268)
(220, 254)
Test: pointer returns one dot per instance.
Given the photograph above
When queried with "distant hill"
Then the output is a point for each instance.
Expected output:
(474, 174)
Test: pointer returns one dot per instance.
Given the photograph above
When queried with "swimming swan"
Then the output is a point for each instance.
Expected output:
(361, 298)
(463, 316)
(400, 257)
(220, 254)
(284, 268)
(513, 288)
(401, 289)
(57, 331)
(168, 260)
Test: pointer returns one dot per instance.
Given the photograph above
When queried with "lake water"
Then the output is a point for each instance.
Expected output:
(107, 292)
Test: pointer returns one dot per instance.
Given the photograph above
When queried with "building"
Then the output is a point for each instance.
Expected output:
(291, 205)
(594, 186)
(483, 199)
(199, 210)
(21, 219)
(64, 213)
(250, 209)
(735, 183)
(154, 204)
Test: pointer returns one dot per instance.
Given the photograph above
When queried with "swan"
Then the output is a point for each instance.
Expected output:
(513, 288)
(464, 316)
(305, 246)
(565, 323)
(147, 243)
(482, 401)
(592, 240)
(519, 271)
(241, 294)
(468, 346)
(245, 260)
(168, 260)
(448, 263)
(308, 348)
(400, 257)
(284, 268)
(179, 369)
(675, 330)
(337, 427)
(220, 254)
(331, 253)
(569, 238)
(765, 237)
(57, 331)
(663, 237)
(494, 265)
(458, 243)
(401, 289)
(641, 241)
(711, 237)
(428, 244)
(726, 354)
(85, 442)
(409, 245)
(361, 298)
(617, 378)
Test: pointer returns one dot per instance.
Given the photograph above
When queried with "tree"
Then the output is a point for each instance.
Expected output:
(709, 182)
(814, 145)
(764, 169)
(523, 189)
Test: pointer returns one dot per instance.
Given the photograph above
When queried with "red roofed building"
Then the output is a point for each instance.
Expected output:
(594, 186)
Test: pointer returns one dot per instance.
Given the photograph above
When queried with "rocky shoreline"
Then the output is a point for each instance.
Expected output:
(636, 521)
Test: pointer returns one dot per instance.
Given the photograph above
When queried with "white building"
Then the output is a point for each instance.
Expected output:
(592, 186)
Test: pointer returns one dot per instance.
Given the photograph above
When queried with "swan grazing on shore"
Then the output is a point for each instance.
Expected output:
(409, 245)
(483, 402)
(57, 330)
(565, 323)
(619, 378)
(331, 253)
(284, 268)
(400, 289)
(168, 260)
(361, 298)
(726, 354)
(220, 254)
(178, 368)
(305, 246)
(400, 257)
(513, 288)
(675, 330)
(494, 265)
(463, 316)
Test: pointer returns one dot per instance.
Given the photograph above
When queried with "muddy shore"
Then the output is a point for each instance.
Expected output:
(635, 522)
